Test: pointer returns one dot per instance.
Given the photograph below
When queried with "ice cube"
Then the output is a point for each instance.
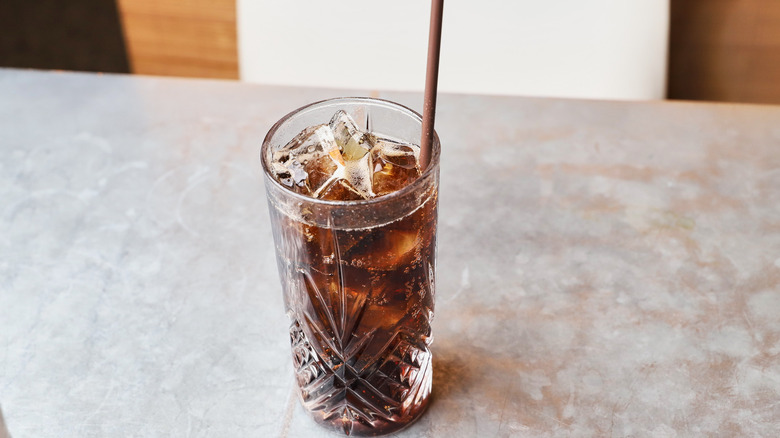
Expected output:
(339, 190)
(358, 173)
(320, 172)
(349, 137)
(395, 165)
(353, 176)
(312, 142)
(339, 161)
(386, 251)
(307, 161)
(397, 153)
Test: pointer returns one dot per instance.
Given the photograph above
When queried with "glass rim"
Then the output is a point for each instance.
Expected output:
(433, 163)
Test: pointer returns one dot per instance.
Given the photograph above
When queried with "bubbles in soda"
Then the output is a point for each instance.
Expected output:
(361, 300)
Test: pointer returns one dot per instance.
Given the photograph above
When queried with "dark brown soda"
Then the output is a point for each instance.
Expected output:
(361, 304)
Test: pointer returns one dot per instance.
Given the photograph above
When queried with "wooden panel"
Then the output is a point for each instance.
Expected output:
(726, 50)
(64, 35)
(195, 38)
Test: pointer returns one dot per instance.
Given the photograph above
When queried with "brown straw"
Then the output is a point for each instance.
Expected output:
(431, 82)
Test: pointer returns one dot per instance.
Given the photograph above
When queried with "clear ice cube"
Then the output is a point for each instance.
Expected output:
(359, 175)
(305, 154)
(395, 165)
(400, 154)
(338, 161)
(350, 138)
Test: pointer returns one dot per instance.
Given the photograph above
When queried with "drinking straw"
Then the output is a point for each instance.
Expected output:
(431, 82)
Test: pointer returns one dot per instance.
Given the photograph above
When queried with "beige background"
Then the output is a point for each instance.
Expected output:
(718, 50)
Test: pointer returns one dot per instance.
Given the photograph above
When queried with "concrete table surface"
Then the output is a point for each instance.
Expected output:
(605, 268)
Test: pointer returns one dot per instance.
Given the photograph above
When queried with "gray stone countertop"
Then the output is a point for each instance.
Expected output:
(605, 268)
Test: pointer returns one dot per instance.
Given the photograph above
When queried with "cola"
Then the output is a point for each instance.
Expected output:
(354, 223)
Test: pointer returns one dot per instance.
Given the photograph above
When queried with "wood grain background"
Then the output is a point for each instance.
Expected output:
(725, 50)
(193, 38)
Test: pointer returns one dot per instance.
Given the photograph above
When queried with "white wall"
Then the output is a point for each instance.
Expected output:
(573, 48)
